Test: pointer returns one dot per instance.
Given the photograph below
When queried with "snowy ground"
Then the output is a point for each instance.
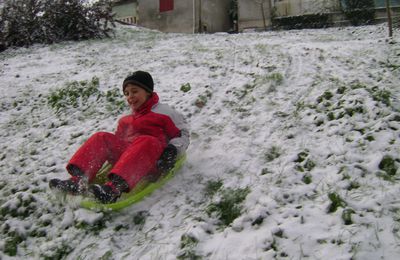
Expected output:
(294, 146)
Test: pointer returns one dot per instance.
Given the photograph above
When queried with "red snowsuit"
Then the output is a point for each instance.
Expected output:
(136, 145)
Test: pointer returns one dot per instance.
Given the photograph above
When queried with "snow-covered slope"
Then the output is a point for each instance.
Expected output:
(294, 146)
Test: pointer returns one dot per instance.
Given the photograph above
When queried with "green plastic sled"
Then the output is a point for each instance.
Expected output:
(141, 190)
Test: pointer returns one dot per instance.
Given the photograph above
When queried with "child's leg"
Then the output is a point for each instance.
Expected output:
(138, 160)
(98, 149)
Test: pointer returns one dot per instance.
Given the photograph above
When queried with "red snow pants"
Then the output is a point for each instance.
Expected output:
(131, 161)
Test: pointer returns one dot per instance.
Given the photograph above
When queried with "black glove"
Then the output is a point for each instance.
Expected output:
(167, 159)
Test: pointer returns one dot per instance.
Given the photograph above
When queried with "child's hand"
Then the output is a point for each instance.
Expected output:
(167, 158)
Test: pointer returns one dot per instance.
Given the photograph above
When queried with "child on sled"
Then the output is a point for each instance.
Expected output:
(146, 141)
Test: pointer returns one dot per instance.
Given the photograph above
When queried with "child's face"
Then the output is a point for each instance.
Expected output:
(136, 96)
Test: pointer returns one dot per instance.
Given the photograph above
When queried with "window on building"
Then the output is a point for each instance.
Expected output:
(166, 5)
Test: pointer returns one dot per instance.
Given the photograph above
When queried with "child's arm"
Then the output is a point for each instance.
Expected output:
(178, 130)
(179, 141)
(182, 141)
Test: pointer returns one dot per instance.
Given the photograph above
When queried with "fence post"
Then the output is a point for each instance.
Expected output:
(389, 16)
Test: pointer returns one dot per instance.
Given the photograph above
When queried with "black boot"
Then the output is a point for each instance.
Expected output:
(75, 185)
(111, 191)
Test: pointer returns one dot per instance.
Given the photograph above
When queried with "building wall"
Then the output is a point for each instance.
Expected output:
(301, 7)
(188, 16)
(180, 19)
(126, 11)
(214, 16)
(250, 14)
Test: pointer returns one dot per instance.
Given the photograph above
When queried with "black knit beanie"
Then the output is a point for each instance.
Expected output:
(141, 79)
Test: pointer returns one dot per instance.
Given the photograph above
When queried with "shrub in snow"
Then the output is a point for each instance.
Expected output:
(23, 23)
(19, 23)
(72, 20)
(302, 21)
(359, 12)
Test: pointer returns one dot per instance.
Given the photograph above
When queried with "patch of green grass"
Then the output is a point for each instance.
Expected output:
(107, 255)
(213, 187)
(95, 227)
(272, 153)
(303, 162)
(331, 116)
(301, 156)
(244, 90)
(354, 110)
(353, 185)
(22, 207)
(326, 96)
(188, 245)
(73, 94)
(319, 122)
(346, 216)
(60, 252)
(11, 244)
(307, 179)
(349, 102)
(309, 165)
(279, 233)
(392, 66)
(140, 218)
(115, 102)
(382, 96)
(370, 138)
(186, 87)
(265, 171)
(228, 207)
(395, 118)
(276, 77)
(272, 246)
(258, 221)
(358, 85)
(341, 90)
(270, 81)
(388, 166)
(300, 105)
(336, 202)
(85, 94)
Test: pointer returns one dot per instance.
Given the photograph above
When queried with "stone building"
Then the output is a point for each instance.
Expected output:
(183, 16)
